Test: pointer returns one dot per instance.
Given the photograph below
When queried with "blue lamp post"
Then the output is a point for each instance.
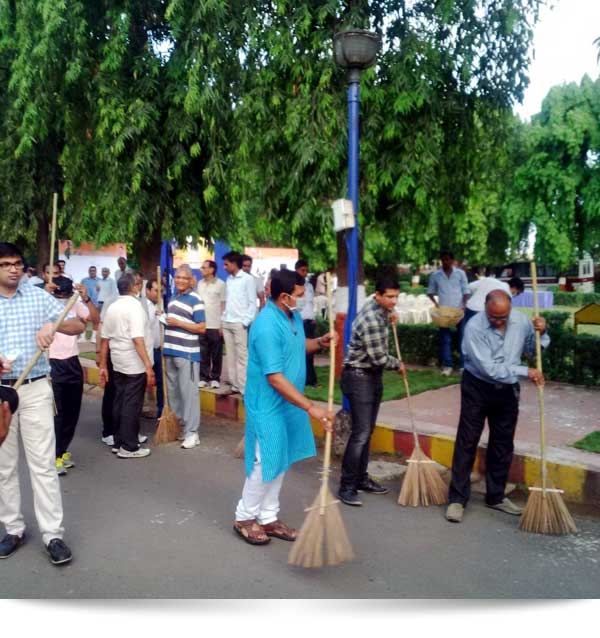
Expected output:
(355, 50)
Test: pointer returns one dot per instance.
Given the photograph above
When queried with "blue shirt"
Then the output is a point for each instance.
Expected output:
(21, 317)
(450, 290)
(494, 356)
(90, 283)
(189, 308)
(240, 304)
(276, 344)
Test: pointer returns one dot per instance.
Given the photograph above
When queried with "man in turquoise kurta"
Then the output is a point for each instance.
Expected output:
(278, 431)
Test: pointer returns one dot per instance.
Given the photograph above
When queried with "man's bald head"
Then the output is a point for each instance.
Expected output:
(497, 307)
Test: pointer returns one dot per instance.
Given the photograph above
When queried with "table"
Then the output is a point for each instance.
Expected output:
(525, 299)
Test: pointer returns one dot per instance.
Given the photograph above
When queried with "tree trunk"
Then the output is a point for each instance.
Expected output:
(42, 239)
(147, 251)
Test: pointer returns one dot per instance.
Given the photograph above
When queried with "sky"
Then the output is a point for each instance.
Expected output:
(564, 49)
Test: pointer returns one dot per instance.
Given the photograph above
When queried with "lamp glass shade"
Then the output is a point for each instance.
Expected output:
(356, 48)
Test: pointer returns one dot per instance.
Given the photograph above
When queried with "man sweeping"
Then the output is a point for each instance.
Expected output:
(278, 431)
(494, 342)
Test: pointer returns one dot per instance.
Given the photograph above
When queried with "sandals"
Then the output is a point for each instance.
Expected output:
(251, 532)
(277, 529)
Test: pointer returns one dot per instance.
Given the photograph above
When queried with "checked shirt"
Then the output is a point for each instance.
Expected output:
(368, 347)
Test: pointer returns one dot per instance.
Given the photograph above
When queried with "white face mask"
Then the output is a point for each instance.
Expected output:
(290, 308)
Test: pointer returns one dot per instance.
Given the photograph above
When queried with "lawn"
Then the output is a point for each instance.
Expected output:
(590, 329)
(393, 386)
(88, 355)
(589, 443)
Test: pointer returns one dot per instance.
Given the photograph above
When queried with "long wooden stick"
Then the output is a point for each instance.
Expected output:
(405, 378)
(36, 356)
(327, 453)
(53, 232)
(162, 337)
(538, 358)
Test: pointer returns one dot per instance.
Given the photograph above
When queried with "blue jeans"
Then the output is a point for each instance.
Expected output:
(157, 367)
(446, 344)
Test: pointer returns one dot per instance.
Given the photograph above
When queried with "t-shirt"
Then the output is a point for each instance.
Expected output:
(65, 346)
(125, 320)
(480, 289)
(213, 295)
(178, 342)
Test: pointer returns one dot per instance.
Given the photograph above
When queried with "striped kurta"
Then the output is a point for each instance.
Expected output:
(188, 308)
(276, 344)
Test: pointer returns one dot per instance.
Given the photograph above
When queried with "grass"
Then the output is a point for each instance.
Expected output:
(88, 355)
(589, 443)
(582, 329)
(393, 386)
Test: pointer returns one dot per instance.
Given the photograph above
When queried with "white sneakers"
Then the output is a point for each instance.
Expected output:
(215, 384)
(142, 438)
(202, 384)
(190, 441)
(140, 453)
(446, 371)
(109, 440)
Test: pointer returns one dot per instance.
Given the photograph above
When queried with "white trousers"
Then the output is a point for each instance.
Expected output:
(236, 344)
(259, 500)
(34, 421)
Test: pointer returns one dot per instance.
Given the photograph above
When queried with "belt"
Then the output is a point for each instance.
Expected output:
(13, 381)
(363, 371)
(496, 386)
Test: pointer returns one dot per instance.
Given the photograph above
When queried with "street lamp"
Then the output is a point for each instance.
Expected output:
(355, 50)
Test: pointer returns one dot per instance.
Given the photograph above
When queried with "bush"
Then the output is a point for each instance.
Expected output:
(575, 299)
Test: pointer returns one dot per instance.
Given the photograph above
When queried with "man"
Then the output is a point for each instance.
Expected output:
(494, 342)
(91, 284)
(451, 286)
(33, 276)
(67, 374)
(212, 291)
(260, 286)
(480, 289)
(278, 431)
(185, 322)
(122, 269)
(154, 330)
(123, 331)
(26, 317)
(307, 312)
(516, 286)
(240, 309)
(106, 287)
(62, 264)
(366, 359)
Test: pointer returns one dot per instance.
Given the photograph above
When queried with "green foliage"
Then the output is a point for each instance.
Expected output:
(575, 299)
(589, 443)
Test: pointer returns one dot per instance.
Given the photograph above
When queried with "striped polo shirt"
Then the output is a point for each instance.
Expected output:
(188, 308)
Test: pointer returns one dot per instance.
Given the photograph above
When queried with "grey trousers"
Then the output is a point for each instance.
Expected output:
(184, 399)
(236, 344)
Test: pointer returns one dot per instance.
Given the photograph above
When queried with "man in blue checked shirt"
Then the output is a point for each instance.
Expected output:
(452, 289)
(494, 343)
(26, 317)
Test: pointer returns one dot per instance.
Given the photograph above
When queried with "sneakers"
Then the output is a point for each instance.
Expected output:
(109, 440)
(61, 470)
(454, 512)
(235, 390)
(446, 371)
(10, 544)
(59, 552)
(202, 384)
(114, 450)
(507, 506)
(215, 384)
(142, 438)
(350, 497)
(190, 441)
(372, 487)
(140, 453)
(67, 459)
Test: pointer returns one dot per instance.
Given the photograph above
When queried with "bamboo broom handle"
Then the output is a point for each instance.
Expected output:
(53, 232)
(36, 356)
(538, 360)
(327, 453)
(162, 336)
(405, 378)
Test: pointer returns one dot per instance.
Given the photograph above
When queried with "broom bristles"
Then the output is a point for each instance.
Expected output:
(240, 449)
(322, 538)
(422, 485)
(168, 427)
(546, 513)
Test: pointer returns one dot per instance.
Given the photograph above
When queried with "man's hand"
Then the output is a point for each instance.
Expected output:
(44, 337)
(171, 321)
(150, 378)
(82, 290)
(5, 365)
(536, 376)
(103, 377)
(327, 338)
(5, 417)
(539, 323)
(324, 417)
(393, 318)
(402, 369)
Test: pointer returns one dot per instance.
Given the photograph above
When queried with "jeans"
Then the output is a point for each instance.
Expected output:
(67, 399)
(127, 409)
(211, 355)
(157, 367)
(499, 403)
(446, 344)
(364, 389)
(310, 332)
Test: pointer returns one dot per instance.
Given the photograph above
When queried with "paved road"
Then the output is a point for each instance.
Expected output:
(161, 527)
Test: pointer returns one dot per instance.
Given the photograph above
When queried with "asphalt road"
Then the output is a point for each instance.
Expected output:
(162, 527)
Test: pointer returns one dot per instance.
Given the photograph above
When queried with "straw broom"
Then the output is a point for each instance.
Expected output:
(322, 537)
(422, 483)
(168, 429)
(545, 512)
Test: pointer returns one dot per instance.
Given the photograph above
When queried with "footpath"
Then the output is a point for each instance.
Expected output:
(571, 412)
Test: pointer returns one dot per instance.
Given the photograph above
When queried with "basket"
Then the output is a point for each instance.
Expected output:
(446, 316)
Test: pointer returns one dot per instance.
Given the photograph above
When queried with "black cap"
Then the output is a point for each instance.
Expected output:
(9, 394)
(64, 286)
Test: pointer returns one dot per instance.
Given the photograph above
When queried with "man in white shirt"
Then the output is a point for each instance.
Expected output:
(307, 312)
(481, 287)
(212, 291)
(122, 269)
(240, 310)
(154, 331)
(106, 287)
(260, 286)
(123, 330)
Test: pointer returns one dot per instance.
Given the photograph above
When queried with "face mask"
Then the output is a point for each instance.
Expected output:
(290, 308)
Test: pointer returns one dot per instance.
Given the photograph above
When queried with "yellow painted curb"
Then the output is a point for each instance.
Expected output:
(570, 478)
(441, 450)
(241, 411)
(382, 440)
(207, 402)
(93, 376)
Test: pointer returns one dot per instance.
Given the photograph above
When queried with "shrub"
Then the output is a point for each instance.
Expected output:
(575, 299)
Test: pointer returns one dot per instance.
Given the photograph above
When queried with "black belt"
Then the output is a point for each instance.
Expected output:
(13, 381)
(363, 371)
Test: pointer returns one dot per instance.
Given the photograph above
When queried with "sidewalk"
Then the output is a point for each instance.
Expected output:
(571, 413)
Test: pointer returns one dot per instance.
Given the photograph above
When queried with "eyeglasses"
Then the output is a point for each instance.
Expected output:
(498, 319)
(10, 265)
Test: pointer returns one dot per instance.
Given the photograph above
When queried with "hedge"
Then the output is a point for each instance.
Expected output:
(575, 299)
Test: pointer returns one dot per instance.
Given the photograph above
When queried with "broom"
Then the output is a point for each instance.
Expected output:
(323, 530)
(422, 484)
(545, 512)
(168, 429)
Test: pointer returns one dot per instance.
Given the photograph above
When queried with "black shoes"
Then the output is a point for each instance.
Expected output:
(59, 552)
(9, 544)
(372, 487)
(350, 497)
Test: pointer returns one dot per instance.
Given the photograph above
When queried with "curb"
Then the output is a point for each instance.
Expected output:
(580, 483)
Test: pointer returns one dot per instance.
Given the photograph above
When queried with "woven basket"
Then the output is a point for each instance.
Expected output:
(446, 316)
